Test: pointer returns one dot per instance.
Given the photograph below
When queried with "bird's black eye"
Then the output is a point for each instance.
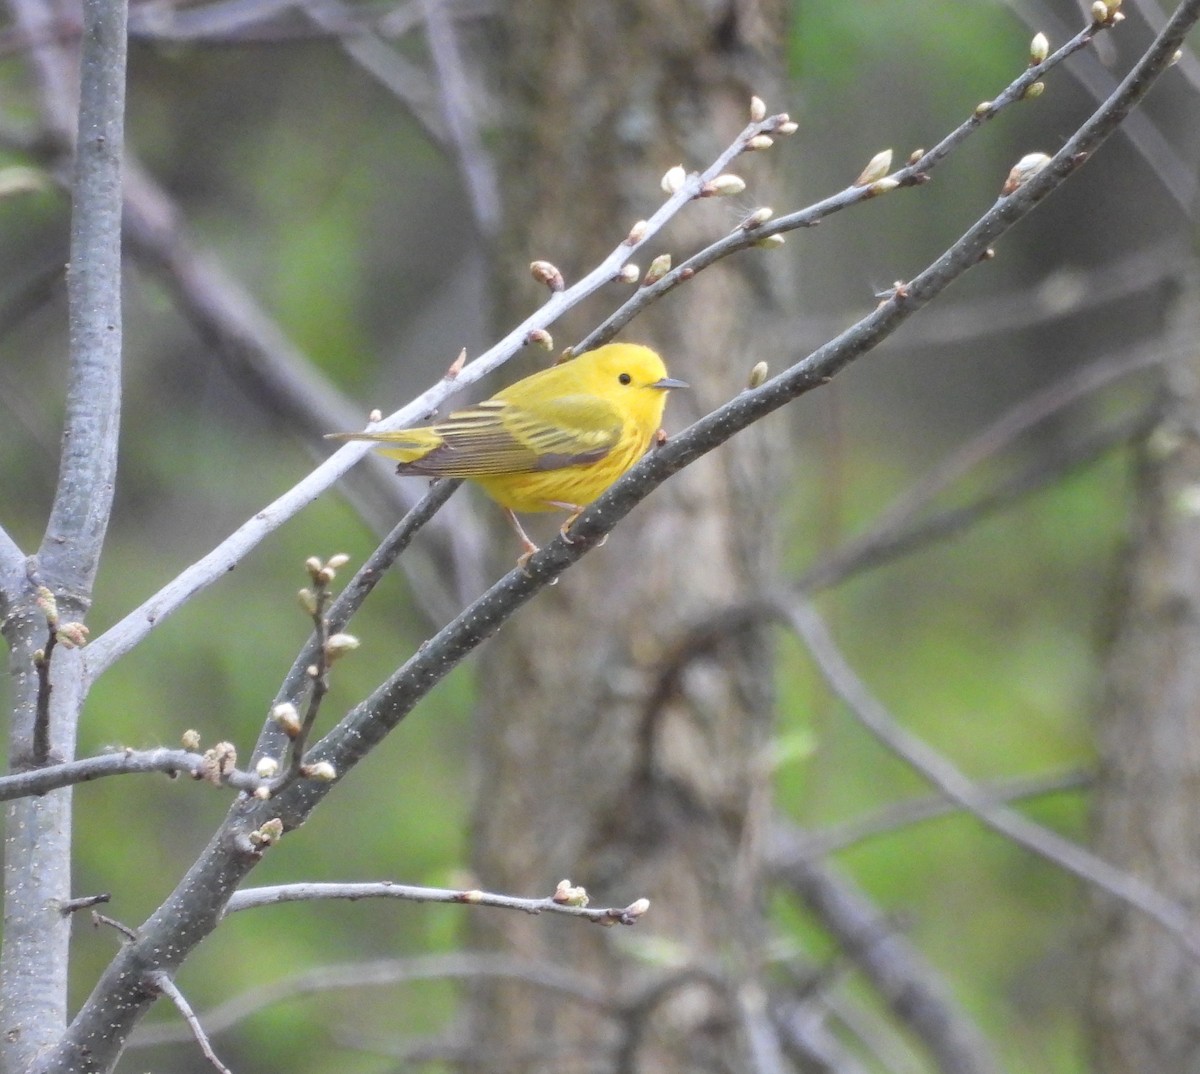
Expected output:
(624, 378)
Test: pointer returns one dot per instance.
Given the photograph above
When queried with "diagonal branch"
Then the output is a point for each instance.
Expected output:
(939, 771)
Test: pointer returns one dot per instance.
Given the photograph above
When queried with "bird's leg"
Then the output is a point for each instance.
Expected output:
(576, 511)
(526, 544)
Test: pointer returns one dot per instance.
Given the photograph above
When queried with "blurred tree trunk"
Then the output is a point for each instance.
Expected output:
(592, 765)
(1145, 989)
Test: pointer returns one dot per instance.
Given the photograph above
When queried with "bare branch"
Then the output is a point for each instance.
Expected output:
(910, 987)
(168, 988)
(912, 174)
(120, 763)
(473, 159)
(939, 771)
(821, 843)
(467, 967)
(253, 898)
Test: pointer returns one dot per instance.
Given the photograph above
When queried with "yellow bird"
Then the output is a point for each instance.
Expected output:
(553, 441)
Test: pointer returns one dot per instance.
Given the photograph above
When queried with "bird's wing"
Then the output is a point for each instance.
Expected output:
(499, 436)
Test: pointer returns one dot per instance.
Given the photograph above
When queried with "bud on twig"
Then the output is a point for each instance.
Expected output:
(266, 767)
(48, 605)
(546, 273)
(1033, 91)
(636, 233)
(541, 338)
(1039, 49)
(190, 740)
(758, 110)
(321, 771)
(73, 635)
(629, 273)
(567, 895)
(757, 375)
(1024, 170)
(877, 167)
(673, 180)
(756, 219)
(759, 141)
(339, 645)
(723, 186)
(456, 366)
(659, 267)
(288, 718)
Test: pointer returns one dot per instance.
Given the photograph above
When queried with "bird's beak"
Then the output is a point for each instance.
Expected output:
(670, 382)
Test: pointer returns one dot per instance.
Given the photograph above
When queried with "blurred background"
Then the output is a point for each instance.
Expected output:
(305, 165)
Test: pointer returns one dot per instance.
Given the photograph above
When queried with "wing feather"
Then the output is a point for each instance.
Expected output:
(500, 436)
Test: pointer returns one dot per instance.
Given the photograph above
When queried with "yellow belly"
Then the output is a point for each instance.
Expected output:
(547, 490)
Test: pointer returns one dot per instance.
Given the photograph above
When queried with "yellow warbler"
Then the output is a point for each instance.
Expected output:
(553, 441)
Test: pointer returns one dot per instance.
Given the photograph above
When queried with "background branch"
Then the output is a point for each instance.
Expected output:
(935, 768)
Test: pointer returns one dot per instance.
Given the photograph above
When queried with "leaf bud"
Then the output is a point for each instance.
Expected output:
(190, 739)
(568, 895)
(266, 767)
(758, 110)
(541, 338)
(629, 274)
(636, 233)
(788, 126)
(374, 416)
(545, 272)
(877, 167)
(771, 242)
(659, 267)
(48, 605)
(1099, 11)
(673, 180)
(338, 645)
(756, 219)
(983, 108)
(637, 908)
(287, 717)
(308, 600)
(337, 561)
(1033, 91)
(757, 375)
(313, 566)
(73, 635)
(321, 771)
(1024, 170)
(269, 834)
(723, 186)
(1039, 49)
(882, 186)
(759, 141)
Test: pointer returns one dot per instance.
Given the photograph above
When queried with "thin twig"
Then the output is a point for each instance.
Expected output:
(951, 782)
(347, 603)
(72, 906)
(41, 721)
(564, 983)
(478, 171)
(119, 763)
(913, 173)
(823, 842)
(912, 989)
(253, 898)
(161, 980)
